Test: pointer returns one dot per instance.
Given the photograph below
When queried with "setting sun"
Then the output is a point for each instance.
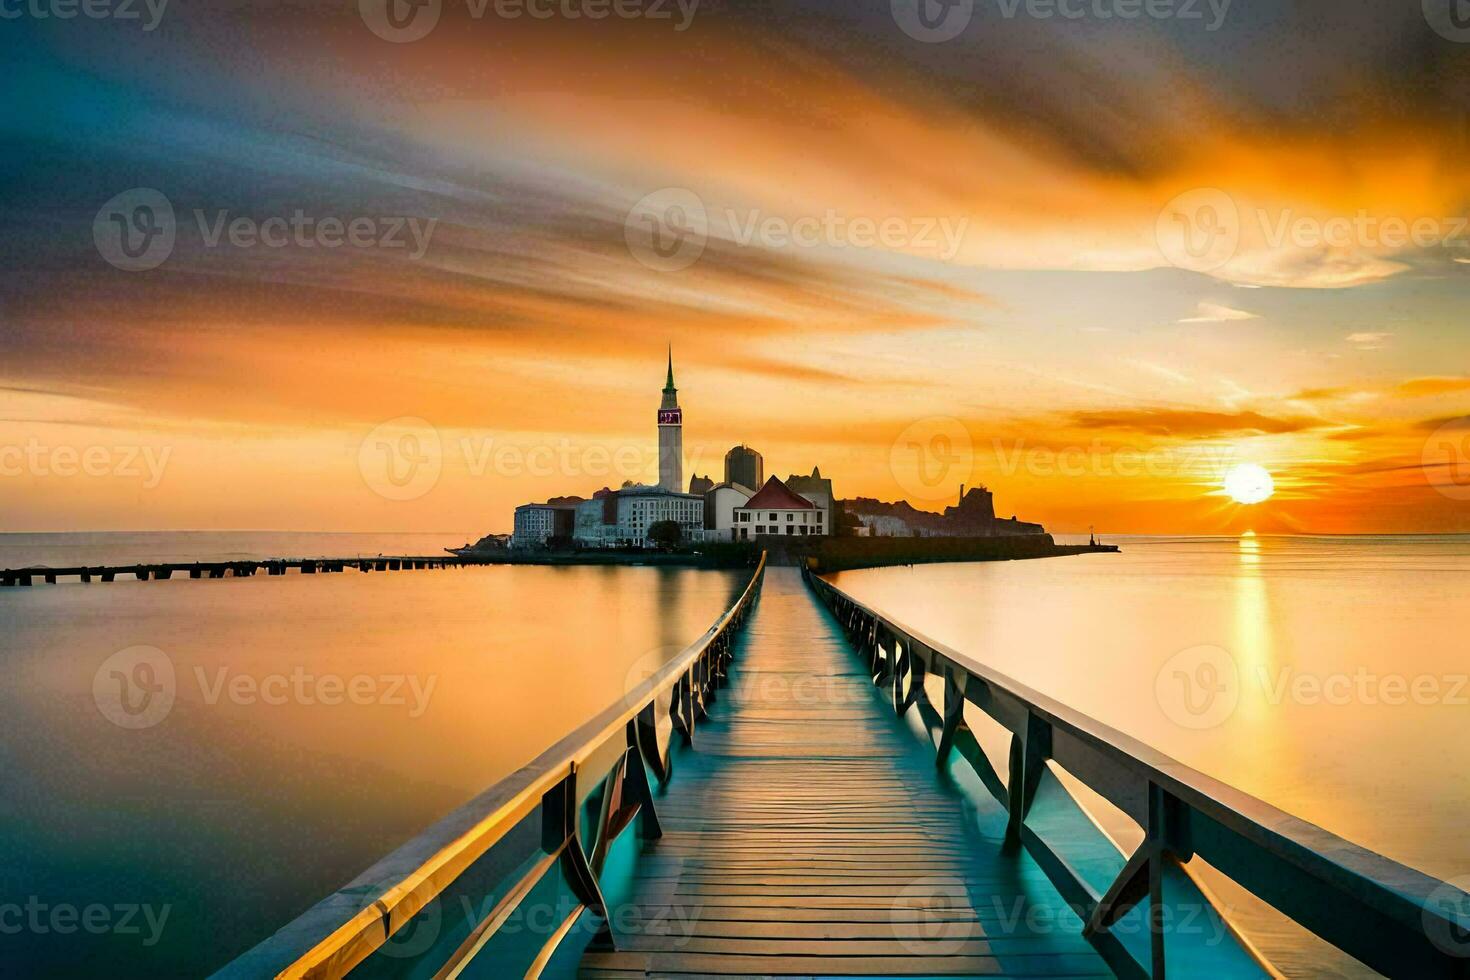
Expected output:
(1248, 483)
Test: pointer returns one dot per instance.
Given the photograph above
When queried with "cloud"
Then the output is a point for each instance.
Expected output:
(1216, 313)
(1426, 387)
(1191, 423)
(1368, 340)
(1449, 422)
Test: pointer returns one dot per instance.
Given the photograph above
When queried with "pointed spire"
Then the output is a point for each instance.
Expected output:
(669, 386)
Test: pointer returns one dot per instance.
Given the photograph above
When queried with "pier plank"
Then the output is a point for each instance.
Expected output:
(808, 834)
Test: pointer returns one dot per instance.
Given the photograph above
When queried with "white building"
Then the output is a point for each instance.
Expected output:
(775, 509)
(534, 523)
(622, 518)
(720, 503)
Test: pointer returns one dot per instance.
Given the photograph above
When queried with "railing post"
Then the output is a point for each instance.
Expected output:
(954, 714)
(646, 736)
(636, 780)
(559, 832)
(1028, 761)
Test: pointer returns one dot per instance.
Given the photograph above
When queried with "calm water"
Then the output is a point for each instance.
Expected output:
(316, 723)
(231, 812)
(1348, 705)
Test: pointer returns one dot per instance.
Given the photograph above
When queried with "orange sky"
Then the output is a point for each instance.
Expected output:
(1033, 306)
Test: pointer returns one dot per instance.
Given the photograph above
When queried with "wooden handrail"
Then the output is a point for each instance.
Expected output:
(1395, 919)
(335, 935)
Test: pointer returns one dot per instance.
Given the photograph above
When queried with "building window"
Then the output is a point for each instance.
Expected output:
(790, 518)
(790, 531)
(772, 516)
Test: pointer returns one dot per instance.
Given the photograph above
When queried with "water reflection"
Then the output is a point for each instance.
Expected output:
(317, 722)
(1327, 635)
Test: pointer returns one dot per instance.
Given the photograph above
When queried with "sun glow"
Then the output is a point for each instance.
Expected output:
(1248, 483)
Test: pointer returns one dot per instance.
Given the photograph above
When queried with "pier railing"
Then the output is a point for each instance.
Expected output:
(1396, 920)
(549, 824)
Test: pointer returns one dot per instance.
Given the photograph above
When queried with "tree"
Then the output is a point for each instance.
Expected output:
(847, 524)
(665, 534)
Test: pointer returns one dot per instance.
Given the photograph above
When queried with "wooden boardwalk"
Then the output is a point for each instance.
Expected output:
(809, 834)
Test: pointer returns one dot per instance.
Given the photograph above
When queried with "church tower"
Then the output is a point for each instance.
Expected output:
(671, 436)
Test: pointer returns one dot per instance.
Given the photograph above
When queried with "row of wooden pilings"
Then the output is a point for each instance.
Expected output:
(222, 569)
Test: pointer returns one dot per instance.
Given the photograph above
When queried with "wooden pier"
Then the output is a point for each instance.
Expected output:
(799, 793)
(162, 571)
(809, 834)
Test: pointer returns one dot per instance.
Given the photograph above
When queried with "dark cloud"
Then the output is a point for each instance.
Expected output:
(1191, 423)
